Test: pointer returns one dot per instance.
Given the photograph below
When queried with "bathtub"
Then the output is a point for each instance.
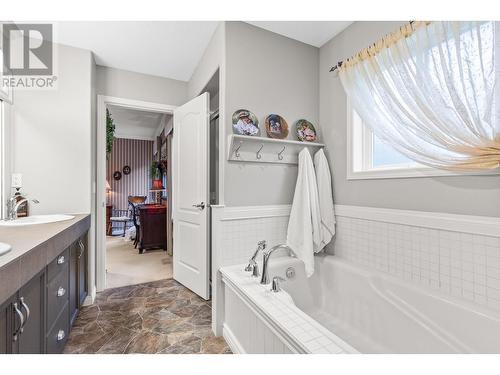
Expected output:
(344, 308)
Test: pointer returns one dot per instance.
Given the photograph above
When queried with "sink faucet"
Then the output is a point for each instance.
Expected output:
(13, 206)
(252, 264)
(267, 254)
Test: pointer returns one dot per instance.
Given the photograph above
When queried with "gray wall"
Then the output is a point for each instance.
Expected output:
(471, 195)
(266, 73)
(137, 86)
(52, 137)
(213, 58)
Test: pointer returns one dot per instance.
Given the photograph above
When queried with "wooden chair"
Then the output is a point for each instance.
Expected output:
(120, 216)
(134, 201)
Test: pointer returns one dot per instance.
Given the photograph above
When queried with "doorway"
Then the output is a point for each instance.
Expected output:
(123, 186)
(194, 185)
(136, 216)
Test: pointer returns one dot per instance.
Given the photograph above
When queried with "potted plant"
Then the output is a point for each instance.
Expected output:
(154, 171)
(156, 185)
(110, 133)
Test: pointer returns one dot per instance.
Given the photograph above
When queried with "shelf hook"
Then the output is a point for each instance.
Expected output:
(280, 154)
(237, 150)
(258, 155)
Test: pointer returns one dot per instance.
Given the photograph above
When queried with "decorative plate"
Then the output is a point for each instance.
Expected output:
(305, 131)
(117, 175)
(245, 123)
(276, 126)
(126, 169)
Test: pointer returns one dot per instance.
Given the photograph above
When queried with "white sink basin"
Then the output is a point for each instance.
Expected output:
(4, 248)
(35, 219)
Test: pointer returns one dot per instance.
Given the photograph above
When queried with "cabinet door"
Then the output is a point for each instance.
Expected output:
(7, 327)
(31, 302)
(82, 270)
(73, 282)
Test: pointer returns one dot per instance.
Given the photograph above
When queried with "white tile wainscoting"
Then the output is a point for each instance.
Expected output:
(235, 233)
(461, 258)
(456, 254)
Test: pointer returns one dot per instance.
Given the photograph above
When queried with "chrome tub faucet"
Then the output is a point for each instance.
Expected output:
(265, 261)
(252, 264)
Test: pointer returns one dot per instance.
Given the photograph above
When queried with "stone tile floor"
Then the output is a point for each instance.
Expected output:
(157, 317)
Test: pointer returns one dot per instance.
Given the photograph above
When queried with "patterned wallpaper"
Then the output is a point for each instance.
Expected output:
(138, 155)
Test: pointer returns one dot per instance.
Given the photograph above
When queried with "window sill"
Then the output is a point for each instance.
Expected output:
(412, 173)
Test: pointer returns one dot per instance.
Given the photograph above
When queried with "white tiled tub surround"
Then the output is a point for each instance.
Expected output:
(460, 264)
(261, 321)
(235, 233)
(346, 308)
(399, 243)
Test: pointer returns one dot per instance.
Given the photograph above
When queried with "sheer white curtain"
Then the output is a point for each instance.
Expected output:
(429, 91)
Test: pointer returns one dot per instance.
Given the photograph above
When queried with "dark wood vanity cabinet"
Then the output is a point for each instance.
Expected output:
(31, 335)
(37, 318)
(22, 319)
(6, 326)
(77, 276)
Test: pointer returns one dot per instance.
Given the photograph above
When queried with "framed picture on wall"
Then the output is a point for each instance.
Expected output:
(276, 126)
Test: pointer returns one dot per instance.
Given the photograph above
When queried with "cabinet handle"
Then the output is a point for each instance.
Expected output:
(25, 307)
(82, 248)
(61, 260)
(61, 335)
(61, 291)
(21, 320)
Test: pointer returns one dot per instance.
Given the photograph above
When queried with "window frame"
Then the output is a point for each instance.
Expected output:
(360, 154)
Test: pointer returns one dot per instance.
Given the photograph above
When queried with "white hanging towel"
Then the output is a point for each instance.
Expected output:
(325, 194)
(304, 231)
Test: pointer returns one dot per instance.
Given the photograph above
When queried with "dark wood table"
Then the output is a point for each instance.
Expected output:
(153, 234)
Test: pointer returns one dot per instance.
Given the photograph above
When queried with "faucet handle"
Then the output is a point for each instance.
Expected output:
(276, 283)
(250, 265)
(255, 270)
(262, 244)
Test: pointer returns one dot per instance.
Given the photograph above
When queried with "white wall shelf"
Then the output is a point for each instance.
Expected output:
(267, 150)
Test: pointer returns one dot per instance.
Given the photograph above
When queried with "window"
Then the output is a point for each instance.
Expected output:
(370, 158)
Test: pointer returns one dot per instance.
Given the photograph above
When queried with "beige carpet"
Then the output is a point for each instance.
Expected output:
(125, 266)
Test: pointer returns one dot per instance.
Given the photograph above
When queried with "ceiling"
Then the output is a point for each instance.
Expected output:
(315, 33)
(135, 124)
(170, 49)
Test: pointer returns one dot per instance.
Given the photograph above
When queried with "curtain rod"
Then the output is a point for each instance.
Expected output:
(339, 64)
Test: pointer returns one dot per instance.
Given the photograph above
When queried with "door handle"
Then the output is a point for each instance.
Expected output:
(200, 205)
(21, 319)
(26, 308)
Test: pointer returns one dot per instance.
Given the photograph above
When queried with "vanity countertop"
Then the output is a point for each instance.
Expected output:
(33, 248)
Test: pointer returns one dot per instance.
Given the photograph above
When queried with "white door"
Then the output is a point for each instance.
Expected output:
(190, 195)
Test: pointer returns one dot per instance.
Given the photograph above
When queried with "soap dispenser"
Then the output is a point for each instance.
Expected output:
(23, 208)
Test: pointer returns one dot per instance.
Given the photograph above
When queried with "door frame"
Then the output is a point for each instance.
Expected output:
(100, 217)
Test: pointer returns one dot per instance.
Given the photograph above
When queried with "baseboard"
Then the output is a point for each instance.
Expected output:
(89, 300)
(232, 341)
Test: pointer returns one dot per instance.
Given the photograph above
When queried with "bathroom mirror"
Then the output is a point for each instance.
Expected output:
(5, 153)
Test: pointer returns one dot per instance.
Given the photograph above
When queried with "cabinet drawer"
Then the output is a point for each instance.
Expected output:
(58, 264)
(58, 335)
(57, 294)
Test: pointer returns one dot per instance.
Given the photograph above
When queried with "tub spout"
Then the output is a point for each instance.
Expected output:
(265, 261)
